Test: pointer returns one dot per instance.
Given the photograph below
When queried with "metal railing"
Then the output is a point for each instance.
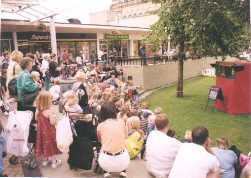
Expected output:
(123, 61)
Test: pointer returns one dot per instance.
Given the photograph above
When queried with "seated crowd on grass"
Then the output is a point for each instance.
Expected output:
(126, 130)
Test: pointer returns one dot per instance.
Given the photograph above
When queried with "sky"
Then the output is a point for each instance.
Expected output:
(79, 9)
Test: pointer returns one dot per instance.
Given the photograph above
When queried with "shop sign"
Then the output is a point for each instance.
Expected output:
(116, 37)
(215, 93)
(33, 36)
(40, 37)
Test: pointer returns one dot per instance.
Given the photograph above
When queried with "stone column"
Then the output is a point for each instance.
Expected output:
(53, 36)
(98, 45)
(131, 48)
(14, 35)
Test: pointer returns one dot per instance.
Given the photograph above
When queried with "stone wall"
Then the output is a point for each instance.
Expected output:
(136, 72)
(155, 76)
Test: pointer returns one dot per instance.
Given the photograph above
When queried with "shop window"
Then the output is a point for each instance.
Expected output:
(6, 45)
(136, 48)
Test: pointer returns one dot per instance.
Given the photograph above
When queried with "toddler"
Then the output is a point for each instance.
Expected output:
(55, 91)
(71, 102)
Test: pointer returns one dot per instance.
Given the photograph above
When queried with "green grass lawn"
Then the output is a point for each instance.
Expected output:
(188, 112)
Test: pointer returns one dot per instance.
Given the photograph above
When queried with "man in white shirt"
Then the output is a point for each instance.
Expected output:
(161, 149)
(196, 160)
(100, 54)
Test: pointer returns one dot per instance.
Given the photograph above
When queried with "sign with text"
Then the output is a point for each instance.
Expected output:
(34, 36)
(215, 93)
(116, 37)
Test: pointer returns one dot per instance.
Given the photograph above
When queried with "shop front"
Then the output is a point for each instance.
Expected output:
(76, 39)
(115, 45)
(6, 41)
(75, 44)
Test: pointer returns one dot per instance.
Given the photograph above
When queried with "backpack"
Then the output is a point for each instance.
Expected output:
(12, 85)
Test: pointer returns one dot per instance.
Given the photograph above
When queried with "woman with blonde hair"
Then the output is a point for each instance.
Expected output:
(14, 68)
(227, 158)
(46, 145)
(133, 124)
(79, 88)
(135, 140)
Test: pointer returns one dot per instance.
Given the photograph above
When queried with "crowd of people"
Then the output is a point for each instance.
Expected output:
(125, 129)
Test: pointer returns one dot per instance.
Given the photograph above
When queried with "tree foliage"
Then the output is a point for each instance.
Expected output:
(206, 27)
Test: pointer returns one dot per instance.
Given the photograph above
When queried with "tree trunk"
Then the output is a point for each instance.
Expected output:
(180, 70)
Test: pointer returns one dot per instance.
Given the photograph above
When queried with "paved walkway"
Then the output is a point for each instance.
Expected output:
(136, 170)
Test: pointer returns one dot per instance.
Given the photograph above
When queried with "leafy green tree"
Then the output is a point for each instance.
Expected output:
(205, 27)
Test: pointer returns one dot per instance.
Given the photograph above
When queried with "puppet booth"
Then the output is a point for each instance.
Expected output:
(234, 81)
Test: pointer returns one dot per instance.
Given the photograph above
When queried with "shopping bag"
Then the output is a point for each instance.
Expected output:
(134, 144)
(16, 132)
(64, 134)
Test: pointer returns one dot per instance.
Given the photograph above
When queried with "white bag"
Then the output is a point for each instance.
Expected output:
(64, 134)
(16, 132)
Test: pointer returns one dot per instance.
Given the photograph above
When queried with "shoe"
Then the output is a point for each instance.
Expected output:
(3, 175)
(123, 174)
(107, 174)
(56, 164)
(46, 162)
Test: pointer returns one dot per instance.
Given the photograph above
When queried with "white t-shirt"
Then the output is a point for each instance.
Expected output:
(161, 151)
(44, 67)
(79, 60)
(100, 54)
(73, 108)
(193, 161)
(55, 92)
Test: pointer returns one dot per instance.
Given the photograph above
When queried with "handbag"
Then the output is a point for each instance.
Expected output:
(30, 161)
(134, 144)
(64, 135)
(29, 98)
(12, 85)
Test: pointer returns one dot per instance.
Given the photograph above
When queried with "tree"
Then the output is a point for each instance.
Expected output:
(206, 27)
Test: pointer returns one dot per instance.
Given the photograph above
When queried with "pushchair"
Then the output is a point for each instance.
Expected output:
(85, 147)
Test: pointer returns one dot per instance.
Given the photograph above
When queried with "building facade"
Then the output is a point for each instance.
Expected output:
(74, 38)
(131, 13)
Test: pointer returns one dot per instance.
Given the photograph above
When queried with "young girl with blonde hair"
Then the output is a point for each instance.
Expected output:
(135, 140)
(35, 76)
(46, 145)
(71, 102)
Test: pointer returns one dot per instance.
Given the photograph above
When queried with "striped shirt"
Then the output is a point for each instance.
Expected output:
(143, 124)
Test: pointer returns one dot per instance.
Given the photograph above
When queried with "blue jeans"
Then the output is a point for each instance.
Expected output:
(1, 154)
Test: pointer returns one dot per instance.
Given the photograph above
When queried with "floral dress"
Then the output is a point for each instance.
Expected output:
(46, 144)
